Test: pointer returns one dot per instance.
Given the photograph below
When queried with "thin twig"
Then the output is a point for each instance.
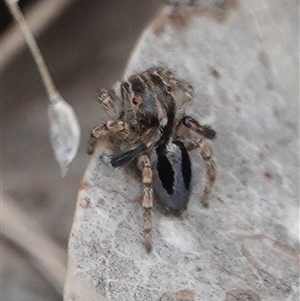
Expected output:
(38, 17)
(35, 51)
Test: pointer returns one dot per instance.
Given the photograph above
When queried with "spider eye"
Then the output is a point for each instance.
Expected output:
(187, 121)
(134, 101)
(168, 88)
(126, 85)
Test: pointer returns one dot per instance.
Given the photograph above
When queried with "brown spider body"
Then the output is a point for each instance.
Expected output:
(147, 110)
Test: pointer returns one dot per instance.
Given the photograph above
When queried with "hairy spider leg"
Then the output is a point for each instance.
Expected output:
(144, 165)
(118, 127)
(110, 101)
(170, 80)
(194, 134)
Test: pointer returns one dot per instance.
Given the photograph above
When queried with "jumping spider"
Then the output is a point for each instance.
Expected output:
(148, 115)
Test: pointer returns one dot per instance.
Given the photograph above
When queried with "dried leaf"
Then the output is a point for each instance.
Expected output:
(241, 58)
(64, 132)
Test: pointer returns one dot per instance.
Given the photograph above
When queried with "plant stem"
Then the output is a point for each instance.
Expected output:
(34, 49)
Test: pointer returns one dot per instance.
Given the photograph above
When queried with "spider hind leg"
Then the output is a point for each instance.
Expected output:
(144, 165)
(195, 135)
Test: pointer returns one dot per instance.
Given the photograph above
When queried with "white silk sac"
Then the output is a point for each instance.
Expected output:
(64, 132)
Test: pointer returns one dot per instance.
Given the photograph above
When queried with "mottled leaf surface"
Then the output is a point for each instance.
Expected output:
(242, 59)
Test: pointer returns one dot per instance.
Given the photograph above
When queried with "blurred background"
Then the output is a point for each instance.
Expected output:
(86, 45)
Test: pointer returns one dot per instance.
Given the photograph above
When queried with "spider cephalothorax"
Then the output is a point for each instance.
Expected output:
(148, 115)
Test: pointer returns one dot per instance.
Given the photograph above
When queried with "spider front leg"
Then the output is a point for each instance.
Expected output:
(177, 85)
(144, 165)
(110, 102)
(187, 89)
(118, 127)
(191, 131)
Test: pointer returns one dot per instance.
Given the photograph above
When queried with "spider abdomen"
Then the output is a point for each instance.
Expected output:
(172, 183)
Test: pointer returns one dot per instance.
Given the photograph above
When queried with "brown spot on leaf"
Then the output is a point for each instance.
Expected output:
(242, 295)
(85, 202)
(73, 296)
(158, 23)
(270, 86)
(260, 39)
(264, 59)
(180, 17)
(220, 11)
(238, 99)
(108, 189)
(183, 295)
(137, 199)
(268, 175)
(101, 201)
(262, 156)
(182, 14)
(214, 72)
(83, 186)
(199, 269)
(223, 100)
